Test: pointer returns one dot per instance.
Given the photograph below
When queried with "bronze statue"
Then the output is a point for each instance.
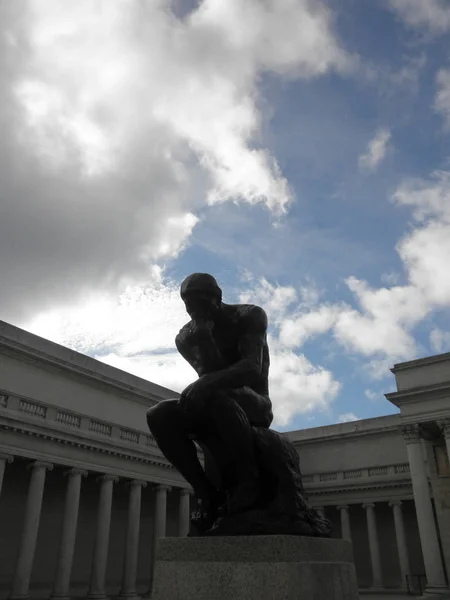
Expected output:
(251, 483)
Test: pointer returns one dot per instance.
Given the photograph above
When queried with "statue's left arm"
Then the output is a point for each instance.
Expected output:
(247, 370)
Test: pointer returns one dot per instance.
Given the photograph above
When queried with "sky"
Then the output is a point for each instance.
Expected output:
(297, 150)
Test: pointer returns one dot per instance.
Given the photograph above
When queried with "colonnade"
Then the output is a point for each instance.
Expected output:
(62, 579)
(434, 570)
(372, 531)
(428, 533)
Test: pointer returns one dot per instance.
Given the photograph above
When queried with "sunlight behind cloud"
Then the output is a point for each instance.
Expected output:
(120, 122)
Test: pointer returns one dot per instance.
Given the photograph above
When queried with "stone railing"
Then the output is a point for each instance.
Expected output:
(33, 409)
(100, 427)
(69, 419)
(383, 473)
(96, 428)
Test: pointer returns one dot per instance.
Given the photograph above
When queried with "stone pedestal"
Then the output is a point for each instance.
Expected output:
(278, 567)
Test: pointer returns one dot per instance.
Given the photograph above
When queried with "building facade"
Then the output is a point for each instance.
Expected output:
(85, 492)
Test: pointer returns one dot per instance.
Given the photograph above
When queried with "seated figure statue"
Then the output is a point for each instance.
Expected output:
(251, 481)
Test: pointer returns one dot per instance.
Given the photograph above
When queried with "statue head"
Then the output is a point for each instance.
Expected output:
(201, 296)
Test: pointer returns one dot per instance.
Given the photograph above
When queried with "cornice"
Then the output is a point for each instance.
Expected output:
(88, 444)
(420, 362)
(418, 394)
(15, 348)
(125, 474)
(356, 478)
(345, 435)
(359, 488)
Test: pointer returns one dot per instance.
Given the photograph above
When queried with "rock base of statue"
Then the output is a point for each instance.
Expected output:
(280, 506)
(278, 567)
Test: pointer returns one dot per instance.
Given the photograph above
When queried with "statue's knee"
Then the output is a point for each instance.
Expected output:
(159, 414)
(222, 398)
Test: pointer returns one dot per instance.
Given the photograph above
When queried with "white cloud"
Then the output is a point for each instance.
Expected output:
(296, 385)
(120, 121)
(440, 340)
(380, 325)
(141, 319)
(347, 417)
(371, 395)
(390, 278)
(295, 330)
(442, 100)
(275, 299)
(433, 15)
(136, 333)
(376, 150)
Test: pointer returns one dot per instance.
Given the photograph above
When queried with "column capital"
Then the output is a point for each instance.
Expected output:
(444, 425)
(9, 458)
(411, 433)
(107, 477)
(136, 482)
(342, 507)
(73, 472)
(161, 487)
(186, 492)
(40, 464)
(395, 503)
(368, 505)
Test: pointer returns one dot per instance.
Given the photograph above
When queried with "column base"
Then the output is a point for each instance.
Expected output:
(59, 596)
(129, 596)
(97, 596)
(19, 597)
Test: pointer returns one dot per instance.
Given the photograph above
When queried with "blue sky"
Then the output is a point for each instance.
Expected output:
(297, 151)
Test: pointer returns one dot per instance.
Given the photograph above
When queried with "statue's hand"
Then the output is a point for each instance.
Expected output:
(202, 330)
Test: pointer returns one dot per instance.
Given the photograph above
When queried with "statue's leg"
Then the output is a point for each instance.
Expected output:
(171, 430)
(232, 412)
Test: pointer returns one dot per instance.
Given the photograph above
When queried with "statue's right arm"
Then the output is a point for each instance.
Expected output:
(187, 349)
(197, 346)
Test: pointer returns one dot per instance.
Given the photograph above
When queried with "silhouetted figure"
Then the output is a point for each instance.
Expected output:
(251, 482)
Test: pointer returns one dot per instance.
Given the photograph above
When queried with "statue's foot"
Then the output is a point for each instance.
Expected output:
(207, 511)
(242, 498)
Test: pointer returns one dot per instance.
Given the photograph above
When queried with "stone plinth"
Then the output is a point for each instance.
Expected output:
(279, 567)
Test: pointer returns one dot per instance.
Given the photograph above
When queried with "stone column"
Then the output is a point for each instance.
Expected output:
(24, 565)
(377, 580)
(4, 458)
(130, 558)
(159, 524)
(345, 522)
(100, 558)
(445, 426)
(401, 540)
(160, 512)
(61, 585)
(184, 512)
(424, 510)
